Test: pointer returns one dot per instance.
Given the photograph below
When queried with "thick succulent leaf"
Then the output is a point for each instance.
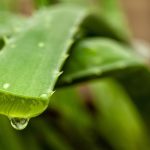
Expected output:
(98, 57)
(30, 63)
(105, 21)
(10, 24)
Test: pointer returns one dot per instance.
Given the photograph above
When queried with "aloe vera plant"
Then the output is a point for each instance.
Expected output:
(120, 59)
(47, 65)
(76, 44)
(43, 82)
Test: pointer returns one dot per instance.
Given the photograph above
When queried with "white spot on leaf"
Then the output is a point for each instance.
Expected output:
(6, 85)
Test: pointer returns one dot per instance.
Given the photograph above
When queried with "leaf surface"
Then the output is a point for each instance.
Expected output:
(30, 63)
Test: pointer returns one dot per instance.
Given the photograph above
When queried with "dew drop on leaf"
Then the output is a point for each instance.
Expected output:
(19, 123)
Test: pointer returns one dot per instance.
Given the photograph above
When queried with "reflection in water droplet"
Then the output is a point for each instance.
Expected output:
(19, 123)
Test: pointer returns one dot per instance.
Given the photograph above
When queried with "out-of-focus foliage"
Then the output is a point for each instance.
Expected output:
(9, 5)
(104, 114)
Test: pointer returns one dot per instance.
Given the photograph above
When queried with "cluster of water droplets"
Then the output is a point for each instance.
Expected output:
(19, 123)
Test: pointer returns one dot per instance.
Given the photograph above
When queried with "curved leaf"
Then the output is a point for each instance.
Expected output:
(98, 57)
(30, 63)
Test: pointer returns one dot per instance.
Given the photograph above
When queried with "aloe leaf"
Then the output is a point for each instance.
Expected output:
(105, 19)
(11, 24)
(30, 63)
(98, 57)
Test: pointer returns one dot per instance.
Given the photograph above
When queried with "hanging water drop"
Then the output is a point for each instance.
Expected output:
(19, 123)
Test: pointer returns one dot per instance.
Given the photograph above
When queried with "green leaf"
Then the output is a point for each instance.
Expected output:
(30, 63)
(98, 57)
(105, 21)
(11, 24)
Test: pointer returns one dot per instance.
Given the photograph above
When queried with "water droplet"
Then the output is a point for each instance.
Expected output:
(41, 44)
(6, 85)
(19, 123)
